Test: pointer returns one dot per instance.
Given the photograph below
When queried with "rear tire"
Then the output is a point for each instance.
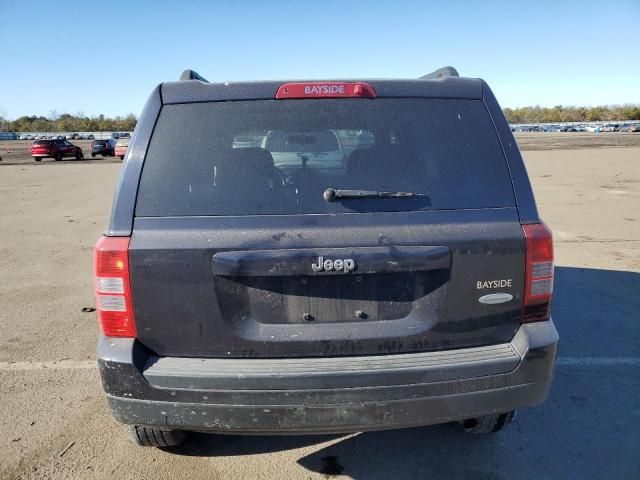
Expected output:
(488, 423)
(121, 157)
(58, 157)
(37, 159)
(155, 437)
(79, 156)
(93, 154)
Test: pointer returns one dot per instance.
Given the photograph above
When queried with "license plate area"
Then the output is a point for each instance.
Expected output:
(348, 298)
(324, 299)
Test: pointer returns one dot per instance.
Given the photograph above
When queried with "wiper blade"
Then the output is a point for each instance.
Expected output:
(331, 194)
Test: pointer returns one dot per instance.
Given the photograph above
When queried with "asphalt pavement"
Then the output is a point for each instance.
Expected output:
(55, 424)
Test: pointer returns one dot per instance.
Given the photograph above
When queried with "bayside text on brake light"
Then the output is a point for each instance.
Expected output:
(324, 89)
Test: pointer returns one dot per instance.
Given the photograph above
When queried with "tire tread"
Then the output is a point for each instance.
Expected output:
(154, 437)
(490, 423)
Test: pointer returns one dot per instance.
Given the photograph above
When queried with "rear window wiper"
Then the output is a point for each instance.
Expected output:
(331, 194)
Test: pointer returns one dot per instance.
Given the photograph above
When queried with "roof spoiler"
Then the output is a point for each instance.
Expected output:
(191, 75)
(441, 73)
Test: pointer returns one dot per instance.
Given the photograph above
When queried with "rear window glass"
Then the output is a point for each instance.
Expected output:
(43, 142)
(278, 141)
(277, 157)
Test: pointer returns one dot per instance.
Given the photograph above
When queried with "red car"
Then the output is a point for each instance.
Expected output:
(56, 149)
(121, 148)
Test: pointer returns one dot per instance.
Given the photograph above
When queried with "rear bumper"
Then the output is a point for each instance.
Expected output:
(326, 395)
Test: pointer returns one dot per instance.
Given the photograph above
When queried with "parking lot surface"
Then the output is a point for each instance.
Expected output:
(55, 424)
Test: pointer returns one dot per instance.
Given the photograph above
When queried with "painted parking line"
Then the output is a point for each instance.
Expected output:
(54, 365)
(597, 361)
(91, 364)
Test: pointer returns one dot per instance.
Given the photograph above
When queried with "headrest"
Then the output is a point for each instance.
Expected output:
(359, 160)
(252, 157)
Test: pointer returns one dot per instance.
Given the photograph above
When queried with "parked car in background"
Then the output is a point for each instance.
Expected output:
(247, 140)
(529, 128)
(320, 149)
(121, 147)
(56, 149)
(106, 148)
(90, 137)
(365, 139)
(593, 128)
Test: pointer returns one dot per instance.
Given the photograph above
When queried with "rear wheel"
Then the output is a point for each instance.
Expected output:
(79, 156)
(58, 157)
(488, 423)
(121, 157)
(93, 154)
(37, 159)
(154, 437)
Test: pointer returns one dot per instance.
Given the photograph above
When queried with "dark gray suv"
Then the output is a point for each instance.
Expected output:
(383, 267)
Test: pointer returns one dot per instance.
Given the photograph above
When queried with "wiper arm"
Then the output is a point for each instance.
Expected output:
(331, 194)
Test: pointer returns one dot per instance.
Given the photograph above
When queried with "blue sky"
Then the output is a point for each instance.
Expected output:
(106, 57)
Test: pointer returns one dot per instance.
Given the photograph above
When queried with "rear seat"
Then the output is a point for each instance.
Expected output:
(247, 174)
(375, 165)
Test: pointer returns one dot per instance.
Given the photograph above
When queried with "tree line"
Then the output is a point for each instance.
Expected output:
(100, 123)
(69, 123)
(561, 113)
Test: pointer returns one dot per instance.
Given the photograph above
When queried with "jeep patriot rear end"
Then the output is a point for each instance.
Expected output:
(317, 257)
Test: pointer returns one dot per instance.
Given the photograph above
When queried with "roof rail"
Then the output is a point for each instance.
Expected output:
(191, 75)
(441, 73)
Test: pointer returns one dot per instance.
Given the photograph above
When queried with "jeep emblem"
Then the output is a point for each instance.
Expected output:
(339, 265)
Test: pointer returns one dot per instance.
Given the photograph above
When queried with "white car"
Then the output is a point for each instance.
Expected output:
(320, 149)
(593, 128)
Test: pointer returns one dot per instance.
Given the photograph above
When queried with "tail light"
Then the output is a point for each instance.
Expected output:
(538, 283)
(112, 287)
